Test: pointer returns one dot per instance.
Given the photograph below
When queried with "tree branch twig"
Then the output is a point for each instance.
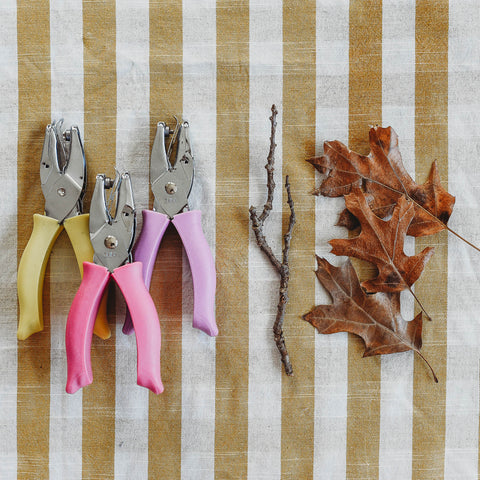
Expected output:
(282, 267)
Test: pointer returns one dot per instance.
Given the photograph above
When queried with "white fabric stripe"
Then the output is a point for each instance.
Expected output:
(8, 233)
(398, 111)
(463, 328)
(66, 51)
(331, 351)
(132, 154)
(265, 367)
(198, 349)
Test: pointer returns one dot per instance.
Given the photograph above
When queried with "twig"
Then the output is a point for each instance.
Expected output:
(281, 267)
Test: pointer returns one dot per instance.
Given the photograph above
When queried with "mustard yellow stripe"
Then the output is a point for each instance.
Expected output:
(365, 109)
(33, 387)
(298, 129)
(231, 394)
(100, 101)
(166, 100)
(431, 142)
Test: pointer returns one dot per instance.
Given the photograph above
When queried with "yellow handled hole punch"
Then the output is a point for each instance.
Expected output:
(63, 175)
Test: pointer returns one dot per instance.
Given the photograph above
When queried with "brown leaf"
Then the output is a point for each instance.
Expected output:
(383, 174)
(375, 318)
(381, 242)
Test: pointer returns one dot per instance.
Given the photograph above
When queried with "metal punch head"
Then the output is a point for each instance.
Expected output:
(112, 235)
(63, 171)
(171, 183)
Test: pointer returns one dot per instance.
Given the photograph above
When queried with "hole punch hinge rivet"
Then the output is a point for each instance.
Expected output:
(171, 188)
(111, 242)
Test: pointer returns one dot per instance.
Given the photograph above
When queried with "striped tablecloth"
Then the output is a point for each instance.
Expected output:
(333, 68)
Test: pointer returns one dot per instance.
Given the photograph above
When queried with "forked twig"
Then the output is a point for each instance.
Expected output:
(281, 267)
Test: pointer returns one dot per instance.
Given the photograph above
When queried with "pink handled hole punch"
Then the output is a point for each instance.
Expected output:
(112, 240)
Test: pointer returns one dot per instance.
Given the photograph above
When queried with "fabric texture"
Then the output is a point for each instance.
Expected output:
(333, 68)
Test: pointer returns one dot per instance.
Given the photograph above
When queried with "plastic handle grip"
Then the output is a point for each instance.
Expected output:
(154, 226)
(79, 234)
(31, 272)
(145, 321)
(202, 265)
(80, 321)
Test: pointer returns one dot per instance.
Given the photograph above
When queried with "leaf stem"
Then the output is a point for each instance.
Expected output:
(461, 238)
(426, 361)
(419, 303)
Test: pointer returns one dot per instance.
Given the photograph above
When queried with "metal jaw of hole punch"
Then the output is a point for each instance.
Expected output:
(63, 175)
(171, 183)
(112, 236)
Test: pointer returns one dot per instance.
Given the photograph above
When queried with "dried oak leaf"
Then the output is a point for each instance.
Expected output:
(375, 318)
(383, 175)
(381, 242)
